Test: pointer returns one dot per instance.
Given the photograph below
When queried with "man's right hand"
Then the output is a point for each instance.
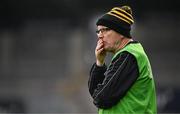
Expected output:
(100, 53)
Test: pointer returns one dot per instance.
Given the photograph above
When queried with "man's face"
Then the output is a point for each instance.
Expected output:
(110, 38)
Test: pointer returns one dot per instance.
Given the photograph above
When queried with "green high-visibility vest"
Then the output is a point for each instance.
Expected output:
(141, 97)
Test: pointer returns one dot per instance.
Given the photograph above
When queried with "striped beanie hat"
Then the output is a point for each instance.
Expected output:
(118, 19)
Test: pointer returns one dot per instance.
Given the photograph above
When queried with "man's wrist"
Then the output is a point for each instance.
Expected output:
(98, 63)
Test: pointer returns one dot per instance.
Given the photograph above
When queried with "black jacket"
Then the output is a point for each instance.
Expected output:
(108, 85)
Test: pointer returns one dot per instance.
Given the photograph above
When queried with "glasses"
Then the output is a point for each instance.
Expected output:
(102, 30)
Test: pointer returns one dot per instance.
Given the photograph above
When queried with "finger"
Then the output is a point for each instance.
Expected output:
(99, 46)
(99, 41)
(100, 51)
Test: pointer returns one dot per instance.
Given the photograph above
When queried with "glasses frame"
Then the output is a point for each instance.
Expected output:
(102, 30)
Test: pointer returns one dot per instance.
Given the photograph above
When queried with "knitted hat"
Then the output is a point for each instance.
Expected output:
(118, 19)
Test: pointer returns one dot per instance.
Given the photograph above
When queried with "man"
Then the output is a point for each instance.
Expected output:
(126, 86)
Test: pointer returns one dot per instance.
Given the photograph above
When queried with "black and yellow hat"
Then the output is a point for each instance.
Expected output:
(119, 19)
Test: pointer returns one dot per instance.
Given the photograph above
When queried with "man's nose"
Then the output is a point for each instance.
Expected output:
(100, 35)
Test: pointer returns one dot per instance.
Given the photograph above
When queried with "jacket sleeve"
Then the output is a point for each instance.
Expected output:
(118, 78)
(96, 77)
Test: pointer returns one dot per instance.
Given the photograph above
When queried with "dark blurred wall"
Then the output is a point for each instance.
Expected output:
(47, 49)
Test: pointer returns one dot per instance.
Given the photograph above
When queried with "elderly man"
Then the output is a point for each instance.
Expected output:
(126, 86)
